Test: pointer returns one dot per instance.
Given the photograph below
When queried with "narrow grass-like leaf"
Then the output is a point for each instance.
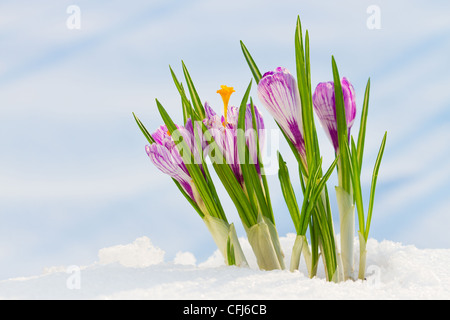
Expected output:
(251, 63)
(356, 183)
(305, 97)
(288, 192)
(198, 106)
(342, 130)
(188, 111)
(189, 161)
(311, 190)
(189, 199)
(321, 185)
(235, 192)
(197, 134)
(241, 143)
(251, 177)
(307, 62)
(321, 219)
(147, 135)
(229, 181)
(362, 127)
(260, 163)
(373, 185)
(302, 166)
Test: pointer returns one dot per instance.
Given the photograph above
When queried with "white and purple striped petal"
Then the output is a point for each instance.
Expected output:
(250, 132)
(170, 163)
(278, 92)
(225, 135)
(325, 107)
(166, 157)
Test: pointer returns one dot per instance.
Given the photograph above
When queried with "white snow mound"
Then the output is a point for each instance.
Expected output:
(140, 253)
(139, 271)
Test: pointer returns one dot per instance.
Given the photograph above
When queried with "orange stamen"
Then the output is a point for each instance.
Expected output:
(225, 93)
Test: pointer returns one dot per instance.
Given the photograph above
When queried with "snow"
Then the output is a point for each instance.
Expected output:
(139, 271)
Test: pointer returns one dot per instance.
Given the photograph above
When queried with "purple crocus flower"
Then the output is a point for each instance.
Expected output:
(278, 92)
(224, 131)
(165, 155)
(325, 107)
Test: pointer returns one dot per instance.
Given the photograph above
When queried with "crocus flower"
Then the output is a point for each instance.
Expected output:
(165, 155)
(325, 107)
(278, 92)
(224, 131)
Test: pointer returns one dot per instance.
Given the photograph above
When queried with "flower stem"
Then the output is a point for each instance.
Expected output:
(362, 256)
(347, 229)
(263, 237)
(224, 234)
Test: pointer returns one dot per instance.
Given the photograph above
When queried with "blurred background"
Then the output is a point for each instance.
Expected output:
(74, 175)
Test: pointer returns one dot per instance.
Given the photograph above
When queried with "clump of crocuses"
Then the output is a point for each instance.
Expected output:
(233, 141)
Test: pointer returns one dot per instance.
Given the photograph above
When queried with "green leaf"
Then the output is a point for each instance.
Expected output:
(373, 185)
(321, 217)
(251, 178)
(188, 112)
(209, 180)
(151, 141)
(309, 202)
(251, 63)
(189, 199)
(321, 185)
(307, 62)
(261, 163)
(189, 161)
(343, 169)
(144, 130)
(302, 166)
(356, 183)
(305, 97)
(198, 106)
(229, 181)
(362, 127)
(288, 193)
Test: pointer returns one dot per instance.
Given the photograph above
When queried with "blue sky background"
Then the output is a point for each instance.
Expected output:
(74, 176)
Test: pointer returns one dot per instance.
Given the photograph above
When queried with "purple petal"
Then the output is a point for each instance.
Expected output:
(212, 120)
(250, 132)
(226, 137)
(278, 92)
(349, 102)
(325, 107)
(162, 137)
(170, 163)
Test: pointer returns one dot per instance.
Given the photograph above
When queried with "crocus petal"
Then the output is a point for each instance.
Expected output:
(278, 92)
(162, 137)
(212, 120)
(170, 163)
(186, 134)
(325, 107)
(166, 157)
(225, 135)
(349, 102)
